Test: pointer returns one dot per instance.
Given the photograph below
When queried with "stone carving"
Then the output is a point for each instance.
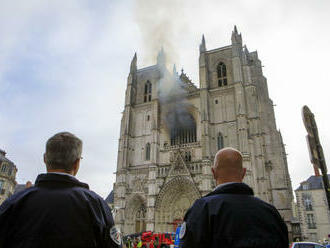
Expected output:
(173, 201)
(138, 184)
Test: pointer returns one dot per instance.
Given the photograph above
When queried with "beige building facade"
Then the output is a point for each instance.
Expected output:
(313, 211)
(171, 130)
(8, 172)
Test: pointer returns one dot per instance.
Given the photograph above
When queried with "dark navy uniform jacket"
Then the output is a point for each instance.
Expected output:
(230, 216)
(59, 211)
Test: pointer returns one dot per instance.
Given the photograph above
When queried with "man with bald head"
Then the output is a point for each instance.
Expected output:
(230, 215)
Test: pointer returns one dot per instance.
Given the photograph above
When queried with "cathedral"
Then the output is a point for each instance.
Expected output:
(171, 131)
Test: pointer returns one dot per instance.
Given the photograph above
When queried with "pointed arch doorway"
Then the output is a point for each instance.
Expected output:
(135, 215)
(172, 203)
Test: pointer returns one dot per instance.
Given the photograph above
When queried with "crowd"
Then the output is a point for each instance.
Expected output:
(61, 211)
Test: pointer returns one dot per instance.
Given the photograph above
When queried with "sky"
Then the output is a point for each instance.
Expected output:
(64, 66)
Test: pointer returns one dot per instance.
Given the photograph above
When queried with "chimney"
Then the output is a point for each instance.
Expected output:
(316, 170)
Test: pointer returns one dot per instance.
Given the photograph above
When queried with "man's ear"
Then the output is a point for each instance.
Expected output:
(213, 171)
(76, 166)
(45, 162)
(243, 173)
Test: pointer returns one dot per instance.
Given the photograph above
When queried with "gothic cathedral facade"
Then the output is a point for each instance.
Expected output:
(170, 133)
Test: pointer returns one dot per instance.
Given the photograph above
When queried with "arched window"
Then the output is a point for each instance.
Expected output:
(10, 170)
(148, 151)
(4, 168)
(140, 219)
(222, 74)
(147, 91)
(187, 156)
(183, 128)
(220, 141)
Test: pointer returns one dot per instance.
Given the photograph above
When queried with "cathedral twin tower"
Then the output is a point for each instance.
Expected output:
(171, 130)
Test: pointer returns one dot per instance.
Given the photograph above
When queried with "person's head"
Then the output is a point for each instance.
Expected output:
(63, 153)
(228, 166)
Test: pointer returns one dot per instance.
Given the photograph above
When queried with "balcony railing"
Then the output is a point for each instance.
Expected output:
(186, 145)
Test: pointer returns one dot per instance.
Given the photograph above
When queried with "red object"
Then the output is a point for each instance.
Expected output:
(150, 238)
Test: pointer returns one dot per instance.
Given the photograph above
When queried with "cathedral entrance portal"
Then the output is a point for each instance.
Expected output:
(173, 201)
(135, 214)
(140, 219)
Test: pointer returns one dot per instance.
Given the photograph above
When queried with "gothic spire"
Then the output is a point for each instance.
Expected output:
(235, 29)
(246, 49)
(174, 70)
(202, 46)
(246, 55)
(235, 37)
(161, 57)
(133, 63)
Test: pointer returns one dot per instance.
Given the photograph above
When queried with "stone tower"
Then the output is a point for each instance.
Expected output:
(8, 172)
(171, 130)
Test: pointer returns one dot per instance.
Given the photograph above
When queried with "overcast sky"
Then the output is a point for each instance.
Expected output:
(64, 65)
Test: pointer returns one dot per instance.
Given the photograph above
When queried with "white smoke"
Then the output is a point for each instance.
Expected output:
(159, 27)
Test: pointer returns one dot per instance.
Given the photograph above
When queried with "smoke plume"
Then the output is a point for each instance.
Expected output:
(160, 25)
(160, 22)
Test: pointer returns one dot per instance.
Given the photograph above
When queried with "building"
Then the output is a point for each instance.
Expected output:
(110, 200)
(313, 210)
(8, 172)
(171, 130)
(295, 223)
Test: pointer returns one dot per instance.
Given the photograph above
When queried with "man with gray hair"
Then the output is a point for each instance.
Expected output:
(230, 215)
(59, 211)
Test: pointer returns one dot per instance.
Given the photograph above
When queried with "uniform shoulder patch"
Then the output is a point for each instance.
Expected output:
(182, 230)
(115, 235)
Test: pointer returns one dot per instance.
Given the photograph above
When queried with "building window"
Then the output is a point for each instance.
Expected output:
(187, 156)
(148, 151)
(216, 101)
(220, 141)
(10, 170)
(222, 74)
(148, 117)
(4, 168)
(310, 221)
(183, 129)
(307, 199)
(305, 186)
(147, 91)
(2, 187)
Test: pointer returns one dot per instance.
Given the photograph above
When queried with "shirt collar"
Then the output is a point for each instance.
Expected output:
(59, 178)
(61, 173)
(222, 184)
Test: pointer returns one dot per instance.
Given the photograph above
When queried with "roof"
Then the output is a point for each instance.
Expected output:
(3, 157)
(110, 197)
(314, 182)
(187, 82)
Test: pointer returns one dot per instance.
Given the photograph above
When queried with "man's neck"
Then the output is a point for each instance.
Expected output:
(60, 171)
(219, 182)
(223, 184)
